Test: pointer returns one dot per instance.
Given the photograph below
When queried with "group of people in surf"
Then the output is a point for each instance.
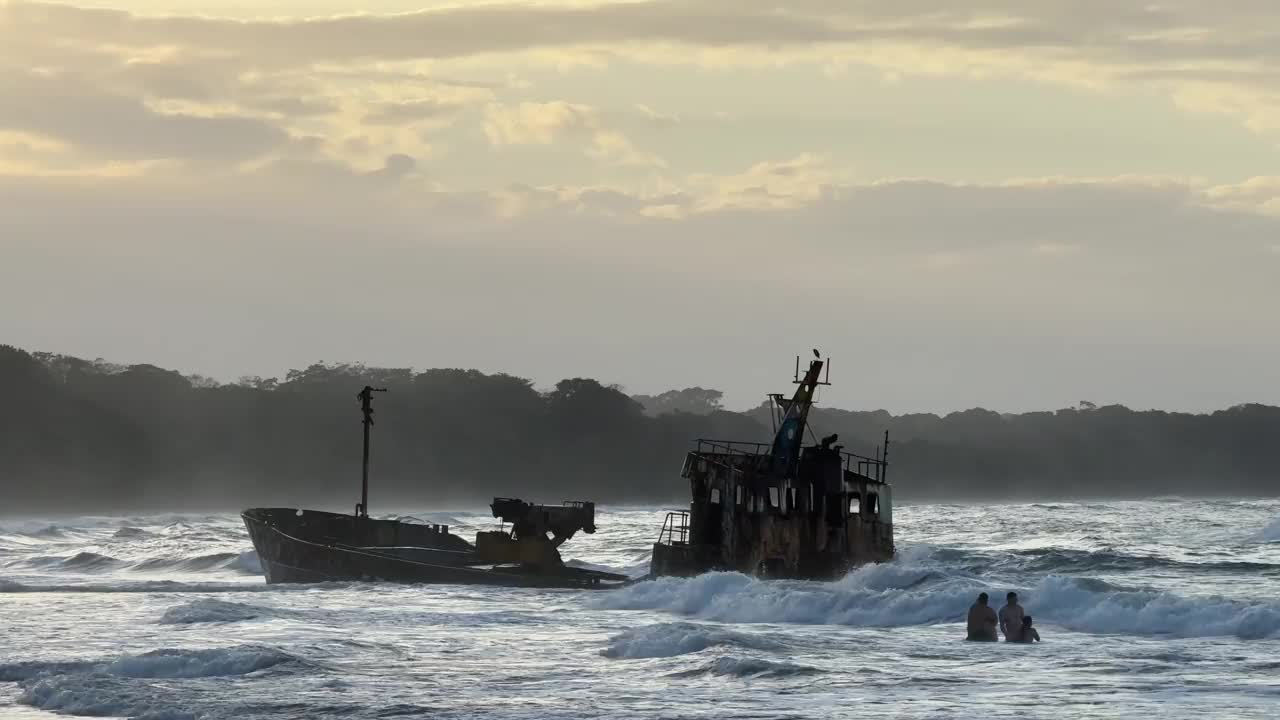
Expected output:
(1014, 623)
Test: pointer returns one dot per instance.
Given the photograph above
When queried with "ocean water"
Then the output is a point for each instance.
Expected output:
(1166, 608)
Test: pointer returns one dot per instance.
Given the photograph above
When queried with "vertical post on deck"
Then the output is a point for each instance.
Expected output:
(366, 406)
(884, 459)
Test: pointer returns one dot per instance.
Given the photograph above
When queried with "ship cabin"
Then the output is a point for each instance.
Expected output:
(781, 509)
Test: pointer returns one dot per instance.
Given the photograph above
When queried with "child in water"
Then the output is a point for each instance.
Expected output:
(1029, 633)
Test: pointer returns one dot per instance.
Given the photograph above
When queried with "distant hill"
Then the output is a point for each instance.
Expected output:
(85, 435)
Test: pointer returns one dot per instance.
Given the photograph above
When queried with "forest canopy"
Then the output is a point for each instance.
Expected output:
(91, 435)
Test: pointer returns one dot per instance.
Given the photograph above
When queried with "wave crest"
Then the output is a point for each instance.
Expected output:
(81, 561)
(217, 662)
(120, 687)
(212, 611)
(749, 667)
(166, 663)
(672, 639)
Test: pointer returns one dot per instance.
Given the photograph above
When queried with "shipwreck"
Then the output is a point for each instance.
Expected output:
(309, 546)
(784, 509)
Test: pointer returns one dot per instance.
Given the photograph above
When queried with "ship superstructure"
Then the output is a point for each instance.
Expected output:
(782, 509)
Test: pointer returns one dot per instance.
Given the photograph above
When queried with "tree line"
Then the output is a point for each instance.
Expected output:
(84, 436)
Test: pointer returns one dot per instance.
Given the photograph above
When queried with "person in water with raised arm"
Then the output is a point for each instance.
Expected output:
(982, 621)
(1011, 616)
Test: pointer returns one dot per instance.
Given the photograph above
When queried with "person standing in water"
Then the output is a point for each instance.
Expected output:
(982, 621)
(1029, 633)
(1011, 618)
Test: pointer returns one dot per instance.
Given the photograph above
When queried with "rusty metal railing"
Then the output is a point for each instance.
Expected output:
(875, 468)
(675, 529)
(733, 447)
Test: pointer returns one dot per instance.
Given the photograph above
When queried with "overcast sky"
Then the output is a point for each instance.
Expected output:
(1014, 204)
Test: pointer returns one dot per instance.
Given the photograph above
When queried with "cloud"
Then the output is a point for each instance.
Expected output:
(532, 123)
(1131, 31)
(104, 124)
(363, 75)
(657, 118)
(1259, 194)
(772, 184)
(535, 123)
(410, 112)
(396, 167)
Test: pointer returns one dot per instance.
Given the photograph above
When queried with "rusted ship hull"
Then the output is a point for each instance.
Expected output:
(310, 546)
(781, 550)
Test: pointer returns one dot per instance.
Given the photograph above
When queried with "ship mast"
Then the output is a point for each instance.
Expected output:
(785, 452)
(365, 397)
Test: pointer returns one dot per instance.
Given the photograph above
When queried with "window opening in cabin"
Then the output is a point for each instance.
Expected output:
(855, 504)
(873, 505)
(715, 495)
(773, 497)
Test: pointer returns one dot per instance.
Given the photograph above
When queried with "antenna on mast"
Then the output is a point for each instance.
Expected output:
(365, 397)
(817, 380)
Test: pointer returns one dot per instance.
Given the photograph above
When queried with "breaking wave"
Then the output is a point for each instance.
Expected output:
(246, 562)
(921, 592)
(672, 639)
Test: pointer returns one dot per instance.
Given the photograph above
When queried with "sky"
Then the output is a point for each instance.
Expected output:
(1010, 204)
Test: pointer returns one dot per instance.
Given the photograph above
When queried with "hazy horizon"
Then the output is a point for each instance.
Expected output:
(782, 383)
(984, 203)
(98, 436)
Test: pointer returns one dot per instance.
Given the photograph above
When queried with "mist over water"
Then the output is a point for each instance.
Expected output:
(1166, 606)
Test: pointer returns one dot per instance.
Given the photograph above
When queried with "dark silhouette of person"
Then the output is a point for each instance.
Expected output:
(1029, 633)
(982, 621)
(1011, 616)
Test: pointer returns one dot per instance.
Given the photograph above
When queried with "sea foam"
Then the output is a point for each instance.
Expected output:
(911, 593)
